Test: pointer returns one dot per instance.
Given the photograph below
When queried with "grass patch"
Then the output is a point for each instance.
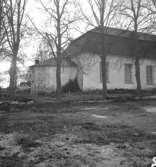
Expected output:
(106, 134)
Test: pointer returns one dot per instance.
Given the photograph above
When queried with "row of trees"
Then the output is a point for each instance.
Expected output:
(63, 16)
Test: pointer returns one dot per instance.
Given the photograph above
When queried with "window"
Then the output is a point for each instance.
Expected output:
(128, 73)
(107, 71)
(149, 75)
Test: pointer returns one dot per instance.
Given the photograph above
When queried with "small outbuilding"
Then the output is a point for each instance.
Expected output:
(43, 76)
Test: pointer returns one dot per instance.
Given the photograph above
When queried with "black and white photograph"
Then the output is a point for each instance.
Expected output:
(77, 83)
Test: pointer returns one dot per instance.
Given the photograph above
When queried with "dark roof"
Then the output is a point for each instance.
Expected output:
(125, 33)
(51, 62)
(118, 42)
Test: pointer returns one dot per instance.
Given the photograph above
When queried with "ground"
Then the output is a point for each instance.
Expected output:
(111, 134)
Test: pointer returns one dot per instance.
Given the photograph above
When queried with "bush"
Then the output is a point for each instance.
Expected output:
(71, 86)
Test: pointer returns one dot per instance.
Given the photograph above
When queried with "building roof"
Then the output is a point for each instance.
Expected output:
(125, 33)
(51, 62)
(118, 42)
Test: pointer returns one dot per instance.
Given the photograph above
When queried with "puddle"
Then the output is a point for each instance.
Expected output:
(95, 108)
(150, 109)
(150, 97)
(99, 116)
(89, 108)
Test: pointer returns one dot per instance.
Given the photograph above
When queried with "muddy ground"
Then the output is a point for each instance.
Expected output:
(116, 134)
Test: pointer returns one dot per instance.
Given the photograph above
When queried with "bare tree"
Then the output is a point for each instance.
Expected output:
(104, 14)
(60, 20)
(2, 31)
(13, 25)
(139, 19)
(152, 8)
(43, 51)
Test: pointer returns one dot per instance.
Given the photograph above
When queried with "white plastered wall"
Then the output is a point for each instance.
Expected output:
(44, 78)
(89, 64)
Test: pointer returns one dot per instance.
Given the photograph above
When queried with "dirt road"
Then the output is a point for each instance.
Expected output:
(113, 134)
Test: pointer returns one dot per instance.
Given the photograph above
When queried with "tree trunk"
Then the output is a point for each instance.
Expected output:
(104, 76)
(58, 78)
(137, 64)
(103, 61)
(59, 54)
(13, 75)
(137, 75)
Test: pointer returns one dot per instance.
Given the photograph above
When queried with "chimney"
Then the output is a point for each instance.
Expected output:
(37, 62)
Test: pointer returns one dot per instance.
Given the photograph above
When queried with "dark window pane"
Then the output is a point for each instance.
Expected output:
(149, 75)
(128, 73)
